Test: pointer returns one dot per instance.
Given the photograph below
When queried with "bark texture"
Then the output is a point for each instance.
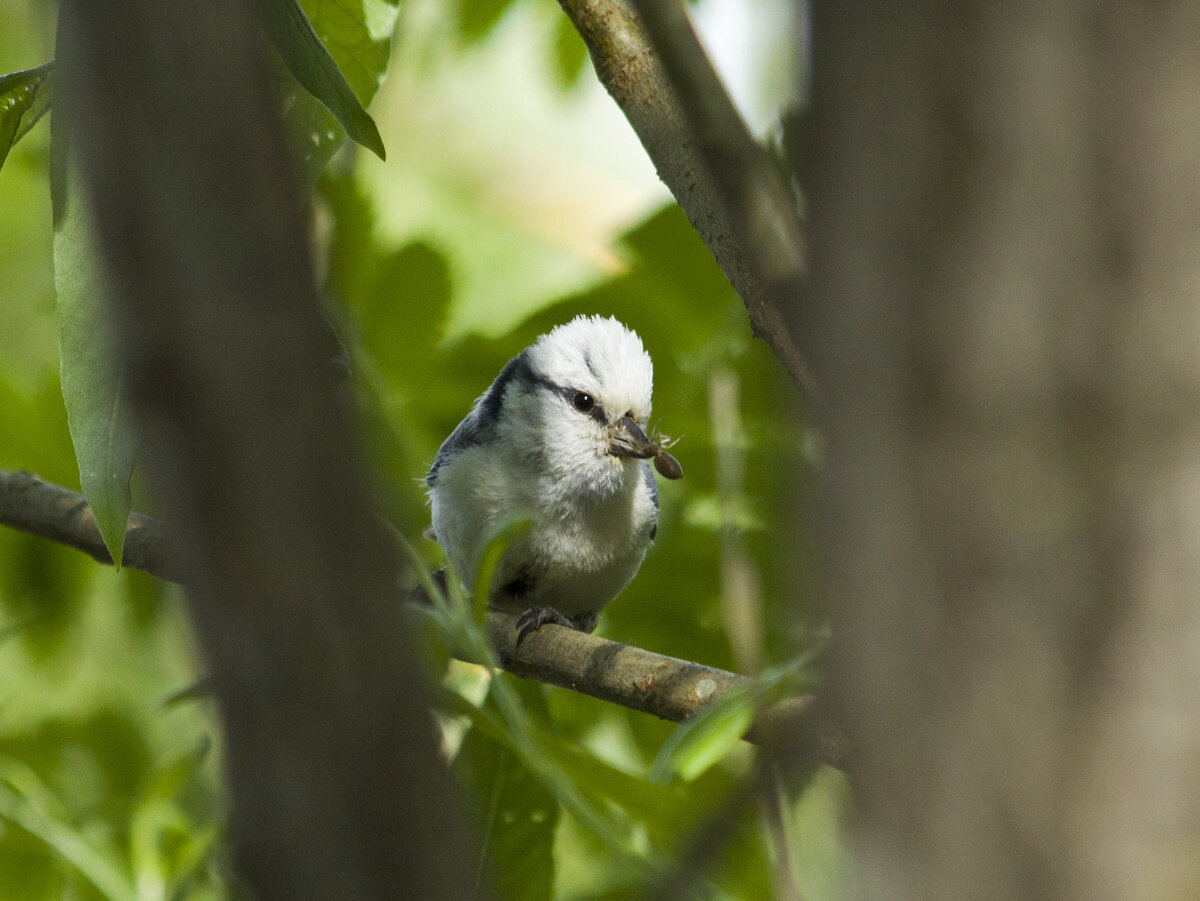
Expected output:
(1006, 216)
(337, 788)
(720, 177)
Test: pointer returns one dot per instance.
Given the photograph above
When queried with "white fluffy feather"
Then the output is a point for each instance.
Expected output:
(525, 449)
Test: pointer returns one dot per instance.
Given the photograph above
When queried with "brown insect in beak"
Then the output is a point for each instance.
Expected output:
(668, 467)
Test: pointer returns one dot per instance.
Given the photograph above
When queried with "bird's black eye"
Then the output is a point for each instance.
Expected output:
(582, 401)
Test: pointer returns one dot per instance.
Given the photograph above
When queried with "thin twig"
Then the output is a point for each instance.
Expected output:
(721, 178)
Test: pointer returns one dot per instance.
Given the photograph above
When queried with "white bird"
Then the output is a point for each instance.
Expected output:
(559, 438)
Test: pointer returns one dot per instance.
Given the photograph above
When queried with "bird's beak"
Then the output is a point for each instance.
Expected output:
(628, 440)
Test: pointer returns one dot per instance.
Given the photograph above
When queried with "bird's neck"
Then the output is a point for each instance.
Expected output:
(593, 487)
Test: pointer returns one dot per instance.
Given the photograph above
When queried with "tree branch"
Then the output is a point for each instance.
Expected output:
(722, 179)
(666, 687)
(41, 508)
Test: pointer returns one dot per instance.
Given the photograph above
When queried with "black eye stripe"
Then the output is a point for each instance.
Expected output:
(573, 395)
(595, 411)
(536, 380)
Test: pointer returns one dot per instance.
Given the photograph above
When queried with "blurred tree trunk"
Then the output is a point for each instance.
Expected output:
(1006, 326)
(337, 788)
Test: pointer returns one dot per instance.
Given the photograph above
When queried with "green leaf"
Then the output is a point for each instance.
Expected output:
(28, 803)
(312, 65)
(704, 739)
(92, 379)
(517, 816)
(24, 98)
(509, 530)
(197, 690)
(699, 742)
(663, 810)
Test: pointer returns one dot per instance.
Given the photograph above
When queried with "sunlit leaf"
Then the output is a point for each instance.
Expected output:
(521, 188)
(701, 741)
(355, 34)
(93, 382)
(312, 65)
(509, 530)
(24, 98)
(516, 729)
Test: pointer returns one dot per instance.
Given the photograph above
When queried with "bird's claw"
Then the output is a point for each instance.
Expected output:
(536, 617)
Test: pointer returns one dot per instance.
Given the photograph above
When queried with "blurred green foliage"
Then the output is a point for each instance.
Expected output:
(106, 791)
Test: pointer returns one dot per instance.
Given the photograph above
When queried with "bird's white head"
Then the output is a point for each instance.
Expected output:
(600, 357)
(590, 411)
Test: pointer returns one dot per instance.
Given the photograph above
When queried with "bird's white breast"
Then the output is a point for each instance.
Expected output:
(589, 531)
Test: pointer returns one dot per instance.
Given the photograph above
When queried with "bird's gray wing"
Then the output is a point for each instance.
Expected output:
(648, 478)
(478, 426)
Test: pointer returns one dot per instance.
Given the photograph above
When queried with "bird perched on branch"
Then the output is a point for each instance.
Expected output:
(560, 438)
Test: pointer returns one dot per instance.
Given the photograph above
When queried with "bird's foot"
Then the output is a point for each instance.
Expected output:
(536, 617)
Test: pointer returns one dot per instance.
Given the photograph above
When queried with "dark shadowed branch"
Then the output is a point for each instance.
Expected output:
(50, 511)
(721, 178)
(618, 673)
